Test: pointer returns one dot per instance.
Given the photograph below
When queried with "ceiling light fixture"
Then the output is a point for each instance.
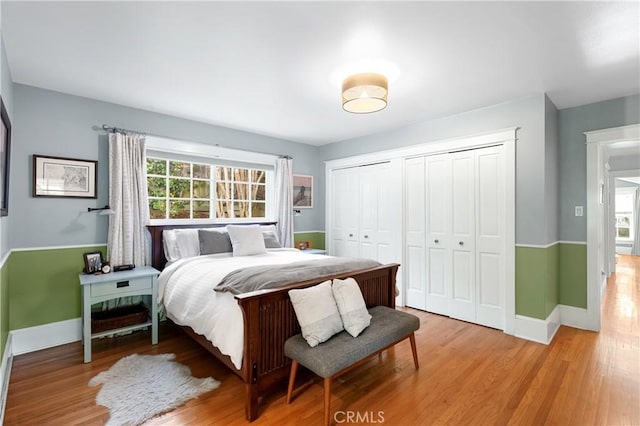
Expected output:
(364, 93)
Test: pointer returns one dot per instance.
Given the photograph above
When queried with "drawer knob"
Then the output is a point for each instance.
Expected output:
(461, 243)
(121, 284)
(436, 241)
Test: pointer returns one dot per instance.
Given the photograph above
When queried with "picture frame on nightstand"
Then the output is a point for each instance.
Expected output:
(92, 262)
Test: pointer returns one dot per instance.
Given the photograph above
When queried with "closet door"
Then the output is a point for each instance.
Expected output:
(367, 212)
(438, 235)
(388, 213)
(490, 237)
(344, 212)
(414, 252)
(463, 289)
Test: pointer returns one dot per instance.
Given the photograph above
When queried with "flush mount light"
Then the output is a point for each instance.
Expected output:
(364, 93)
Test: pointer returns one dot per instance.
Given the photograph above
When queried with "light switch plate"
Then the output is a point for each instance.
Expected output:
(579, 211)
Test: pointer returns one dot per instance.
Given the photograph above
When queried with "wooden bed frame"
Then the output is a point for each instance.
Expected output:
(269, 320)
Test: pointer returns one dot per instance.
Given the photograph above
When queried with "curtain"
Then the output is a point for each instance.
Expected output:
(284, 200)
(635, 248)
(126, 241)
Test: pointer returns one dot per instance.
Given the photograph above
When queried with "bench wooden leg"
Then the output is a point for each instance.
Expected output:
(292, 379)
(327, 401)
(412, 339)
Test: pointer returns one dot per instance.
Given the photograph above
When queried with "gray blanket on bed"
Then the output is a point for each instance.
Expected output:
(272, 276)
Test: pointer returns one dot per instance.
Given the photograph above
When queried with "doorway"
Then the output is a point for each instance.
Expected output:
(603, 146)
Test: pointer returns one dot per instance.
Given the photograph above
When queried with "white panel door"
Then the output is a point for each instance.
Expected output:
(367, 212)
(463, 298)
(388, 213)
(344, 208)
(490, 237)
(438, 233)
(414, 252)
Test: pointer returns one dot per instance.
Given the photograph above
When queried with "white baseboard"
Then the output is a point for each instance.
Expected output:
(574, 317)
(537, 330)
(45, 336)
(5, 375)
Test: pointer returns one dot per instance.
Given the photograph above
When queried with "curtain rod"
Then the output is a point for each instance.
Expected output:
(113, 129)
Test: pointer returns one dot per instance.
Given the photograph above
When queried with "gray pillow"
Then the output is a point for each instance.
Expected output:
(212, 242)
(271, 240)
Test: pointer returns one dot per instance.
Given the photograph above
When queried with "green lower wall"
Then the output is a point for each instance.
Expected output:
(41, 286)
(546, 277)
(553, 279)
(44, 286)
(573, 275)
(316, 239)
(531, 282)
(4, 306)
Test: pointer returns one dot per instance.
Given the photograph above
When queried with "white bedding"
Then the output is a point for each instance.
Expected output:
(185, 288)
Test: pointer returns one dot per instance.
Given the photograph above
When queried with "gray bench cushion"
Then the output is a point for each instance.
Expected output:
(342, 350)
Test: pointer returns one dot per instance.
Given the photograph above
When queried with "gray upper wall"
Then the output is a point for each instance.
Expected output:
(6, 90)
(527, 114)
(573, 122)
(56, 124)
(551, 166)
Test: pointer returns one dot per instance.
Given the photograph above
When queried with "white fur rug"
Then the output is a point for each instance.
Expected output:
(139, 387)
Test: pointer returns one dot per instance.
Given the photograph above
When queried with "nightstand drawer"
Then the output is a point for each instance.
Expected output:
(122, 286)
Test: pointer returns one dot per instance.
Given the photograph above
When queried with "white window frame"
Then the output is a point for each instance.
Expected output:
(200, 153)
(630, 191)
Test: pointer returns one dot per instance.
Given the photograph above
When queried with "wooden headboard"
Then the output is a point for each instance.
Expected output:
(158, 260)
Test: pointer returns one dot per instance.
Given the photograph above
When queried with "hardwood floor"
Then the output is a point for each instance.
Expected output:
(468, 375)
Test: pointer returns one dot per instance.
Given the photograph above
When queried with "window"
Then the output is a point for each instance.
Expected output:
(624, 215)
(189, 190)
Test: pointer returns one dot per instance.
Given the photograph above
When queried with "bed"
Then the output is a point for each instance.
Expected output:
(269, 319)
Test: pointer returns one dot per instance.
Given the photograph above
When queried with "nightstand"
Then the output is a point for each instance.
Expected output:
(98, 288)
(314, 251)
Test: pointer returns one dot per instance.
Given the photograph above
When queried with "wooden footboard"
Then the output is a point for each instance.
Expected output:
(270, 320)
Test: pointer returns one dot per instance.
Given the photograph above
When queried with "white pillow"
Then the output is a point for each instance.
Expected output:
(269, 228)
(188, 242)
(247, 240)
(179, 243)
(317, 313)
(351, 306)
(170, 244)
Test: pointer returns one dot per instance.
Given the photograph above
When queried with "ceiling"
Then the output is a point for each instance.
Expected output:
(276, 68)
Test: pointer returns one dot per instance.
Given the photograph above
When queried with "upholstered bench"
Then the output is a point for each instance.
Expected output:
(343, 352)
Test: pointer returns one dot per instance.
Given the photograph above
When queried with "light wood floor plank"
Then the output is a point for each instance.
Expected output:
(468, 375)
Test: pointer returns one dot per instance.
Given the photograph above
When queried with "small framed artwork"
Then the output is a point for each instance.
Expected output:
(92, 262)
(303, 191)
(304, 245)
(5, 155)
(64, 177)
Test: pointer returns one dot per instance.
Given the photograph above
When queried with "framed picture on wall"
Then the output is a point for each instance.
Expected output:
(5, 148)
(64, 177)
(303, 191)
